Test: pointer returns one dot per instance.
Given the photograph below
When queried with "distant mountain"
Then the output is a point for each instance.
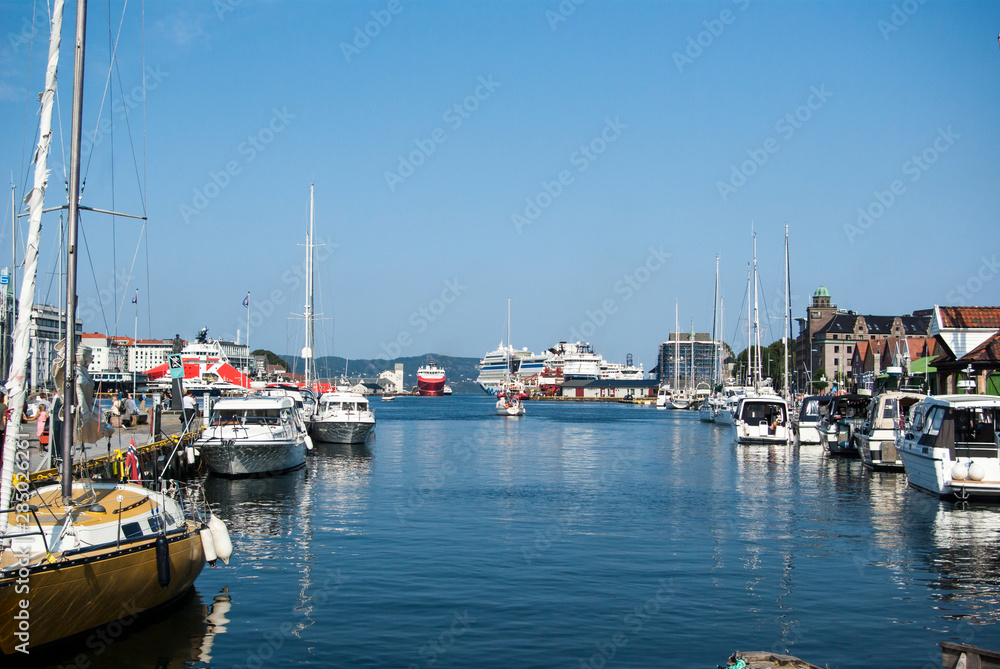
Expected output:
(461, 373)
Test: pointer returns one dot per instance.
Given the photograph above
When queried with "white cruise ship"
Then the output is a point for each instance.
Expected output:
(524, 364)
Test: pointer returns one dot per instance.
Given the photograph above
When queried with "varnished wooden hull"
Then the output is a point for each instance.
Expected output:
(90, 590)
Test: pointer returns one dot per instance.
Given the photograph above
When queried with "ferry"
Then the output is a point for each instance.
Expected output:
(577, 360)
(493, 367)
(430, 380)
(206, 367)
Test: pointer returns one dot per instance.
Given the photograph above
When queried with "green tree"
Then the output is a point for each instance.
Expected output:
(271, 358)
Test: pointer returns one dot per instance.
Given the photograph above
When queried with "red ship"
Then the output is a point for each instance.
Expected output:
(430, 380)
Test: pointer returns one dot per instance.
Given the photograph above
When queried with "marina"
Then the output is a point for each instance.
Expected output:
(535, 542)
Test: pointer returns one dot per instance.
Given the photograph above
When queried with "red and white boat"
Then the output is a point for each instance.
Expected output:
(206, 367)
(430, 380)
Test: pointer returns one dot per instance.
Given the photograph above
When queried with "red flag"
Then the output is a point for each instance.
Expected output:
(132, 461)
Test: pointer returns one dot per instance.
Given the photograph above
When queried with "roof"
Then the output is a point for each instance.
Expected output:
(970, 317)
(821, 292)
(963, 400)
(253, 403)
(988, 351)
(922, 366)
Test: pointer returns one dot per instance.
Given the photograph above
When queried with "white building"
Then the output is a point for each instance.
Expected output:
(393, 378)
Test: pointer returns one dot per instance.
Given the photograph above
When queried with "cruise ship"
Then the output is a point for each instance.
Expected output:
(525, 364)
(577, 361)
(430, 380)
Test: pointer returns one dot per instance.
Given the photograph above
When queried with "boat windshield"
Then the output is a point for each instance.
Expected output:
(246, 417)
(755, 412)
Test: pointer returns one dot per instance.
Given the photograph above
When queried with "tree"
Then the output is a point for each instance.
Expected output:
(271, 358)
(819, 381)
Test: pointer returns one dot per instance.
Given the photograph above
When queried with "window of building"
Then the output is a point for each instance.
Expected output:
(848, 349)
(836, 362)
(836, 349)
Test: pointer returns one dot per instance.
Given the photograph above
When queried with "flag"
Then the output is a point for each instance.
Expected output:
(135, 298)
(246, 301)
(132, 461)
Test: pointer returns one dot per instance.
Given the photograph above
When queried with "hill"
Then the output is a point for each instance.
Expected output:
(460, 372)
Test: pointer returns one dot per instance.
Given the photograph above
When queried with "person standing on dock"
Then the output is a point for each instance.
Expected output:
(190, 407)
(42, 427)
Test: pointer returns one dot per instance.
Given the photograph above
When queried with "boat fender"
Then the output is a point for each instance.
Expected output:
(189, 451)
(959, 471)
(208, 545)
(162, 561)
(976, 471)
(220, 536)
(309, 443)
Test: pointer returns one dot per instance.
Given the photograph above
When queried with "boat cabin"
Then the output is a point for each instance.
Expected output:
(762, 415)
(814, 408)
(966, 427)
(255, 411)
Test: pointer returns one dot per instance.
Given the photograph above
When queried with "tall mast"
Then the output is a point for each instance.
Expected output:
(307, 352)
(677, 346)
(788, 316)
(748, 375)
(69, 387)
(36, 201)
(715, 321)
(756, 321)
(508, 336)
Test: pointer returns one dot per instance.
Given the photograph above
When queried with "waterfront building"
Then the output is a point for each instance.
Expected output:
(969, 346)
(698, 346)
(44, 330)
(828, 337)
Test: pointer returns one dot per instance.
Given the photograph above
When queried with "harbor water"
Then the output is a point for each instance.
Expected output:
(581, 535)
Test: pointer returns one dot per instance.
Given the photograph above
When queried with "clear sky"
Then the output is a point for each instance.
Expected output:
(588, 161)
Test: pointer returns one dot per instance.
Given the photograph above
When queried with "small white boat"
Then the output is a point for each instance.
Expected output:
(810, 414)
(877, 438)
(761, 420)
(951, 447)
(388, 397)
(509, 406)
(342, 418)
(663, 397)
(253, 435)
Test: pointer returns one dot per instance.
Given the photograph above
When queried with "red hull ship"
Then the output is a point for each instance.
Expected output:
(430, 380)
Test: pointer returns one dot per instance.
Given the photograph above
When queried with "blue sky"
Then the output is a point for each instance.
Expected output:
(588, 165)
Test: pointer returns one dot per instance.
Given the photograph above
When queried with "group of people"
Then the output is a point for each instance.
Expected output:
(41, 418)
(125, 407)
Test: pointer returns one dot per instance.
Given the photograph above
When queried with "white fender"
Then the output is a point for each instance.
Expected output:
(208, 544)
(223, 545)
(189, 451)
(309, 443)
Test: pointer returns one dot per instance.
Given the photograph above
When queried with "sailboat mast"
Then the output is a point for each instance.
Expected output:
(69, 388)
(748, 375)
(677, 345)
(756, 318)
(508, 336)
(307, 352)
(788, 316)
(715, 321)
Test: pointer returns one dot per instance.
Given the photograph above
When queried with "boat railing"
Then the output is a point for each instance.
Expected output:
(975, 449)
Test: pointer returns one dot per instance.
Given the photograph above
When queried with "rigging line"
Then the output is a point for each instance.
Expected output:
(27, 88)
(104, 96)
(86, 246)
(112, 49)
(128, 129)
(739, 316)
(144, 165)
(149, 317)
(128, 281)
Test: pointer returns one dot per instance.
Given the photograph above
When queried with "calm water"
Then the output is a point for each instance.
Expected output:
(580, 535)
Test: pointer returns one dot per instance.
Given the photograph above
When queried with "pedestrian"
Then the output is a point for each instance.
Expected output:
(42, 426)
(190, 407)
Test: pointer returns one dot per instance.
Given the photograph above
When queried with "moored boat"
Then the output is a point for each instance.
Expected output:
(810, 414)
(951, 447)
(250, 436)
(761, 420)
(876, 440)
(343, 418)
(430, 380)
(843, 419)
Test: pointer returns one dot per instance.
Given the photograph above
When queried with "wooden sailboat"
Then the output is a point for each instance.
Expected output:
(78, 555)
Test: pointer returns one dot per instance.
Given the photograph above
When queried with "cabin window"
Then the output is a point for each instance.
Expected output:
(889, 411)
(934, 420)
(132, 530)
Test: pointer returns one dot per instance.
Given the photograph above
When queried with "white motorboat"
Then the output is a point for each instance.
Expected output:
(810, 414)
(876, 440)
(248, 436)
(663, 397)
(342, 418)
(951, 448)
(761, 420)
(509, 401)
(842, 422)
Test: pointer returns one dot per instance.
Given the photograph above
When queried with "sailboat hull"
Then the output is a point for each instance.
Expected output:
(86, 591)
